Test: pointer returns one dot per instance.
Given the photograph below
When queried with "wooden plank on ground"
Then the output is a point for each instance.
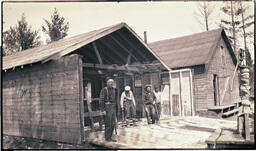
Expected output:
(234, 111)
(221, 107)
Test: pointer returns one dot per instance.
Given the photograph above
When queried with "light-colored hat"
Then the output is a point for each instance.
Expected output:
(110, 80)
(148, 85)
(127, 88)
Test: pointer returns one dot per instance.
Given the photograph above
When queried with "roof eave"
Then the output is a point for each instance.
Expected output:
(89, 40)
(231, 51)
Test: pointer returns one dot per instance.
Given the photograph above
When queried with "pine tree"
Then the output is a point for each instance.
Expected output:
(56, 28)
(20, 37)
(246, 18)
(231, 23)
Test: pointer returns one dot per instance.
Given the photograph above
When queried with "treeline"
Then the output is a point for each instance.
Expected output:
(21, 36)
(237, 18)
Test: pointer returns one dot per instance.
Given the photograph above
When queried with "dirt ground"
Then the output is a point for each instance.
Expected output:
(13, 142)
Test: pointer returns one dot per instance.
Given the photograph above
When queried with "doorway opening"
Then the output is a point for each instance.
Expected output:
(215, 89)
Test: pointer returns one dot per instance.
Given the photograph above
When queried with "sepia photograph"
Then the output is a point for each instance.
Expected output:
(127, 75)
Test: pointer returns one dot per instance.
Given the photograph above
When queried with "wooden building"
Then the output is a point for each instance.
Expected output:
(52, 91)
(202, 71)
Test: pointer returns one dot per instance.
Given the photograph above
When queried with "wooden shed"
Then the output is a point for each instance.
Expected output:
(203, 71)
(52, 91)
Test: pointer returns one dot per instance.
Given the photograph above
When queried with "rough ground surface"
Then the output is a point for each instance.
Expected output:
(175, 132)
(172, 132)
(14, 142)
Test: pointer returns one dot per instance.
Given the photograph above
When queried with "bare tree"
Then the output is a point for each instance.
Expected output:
(204, 12)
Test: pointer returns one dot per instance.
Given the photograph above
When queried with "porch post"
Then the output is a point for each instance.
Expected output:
(170, 93)
(191, 93)
(180, 100)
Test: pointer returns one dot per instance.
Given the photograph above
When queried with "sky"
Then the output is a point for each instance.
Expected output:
(161, 20)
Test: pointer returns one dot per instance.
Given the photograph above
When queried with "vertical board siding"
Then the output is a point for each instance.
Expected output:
(199, 89)
(203, 81)
(43, 101)
(222, 68)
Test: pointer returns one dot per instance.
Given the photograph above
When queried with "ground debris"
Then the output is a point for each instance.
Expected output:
(16, 142)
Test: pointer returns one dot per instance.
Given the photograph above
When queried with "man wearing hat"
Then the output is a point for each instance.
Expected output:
(108, 95)
(127, 102)
(149, 101)
(158, 95)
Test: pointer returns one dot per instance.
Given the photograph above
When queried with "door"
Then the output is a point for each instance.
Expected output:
(165, 94)
(175, 92)
(224, 90)
(186, 93)
(138, 95)
(175, 106)
(215, 90)
(181, 93)
(165, 99)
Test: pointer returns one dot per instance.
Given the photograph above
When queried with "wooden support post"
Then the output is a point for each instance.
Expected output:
(90, 114)
(246, 127)
(170, 93)
(180, 102)
(97, 52)
(191, 93)
(81, 97)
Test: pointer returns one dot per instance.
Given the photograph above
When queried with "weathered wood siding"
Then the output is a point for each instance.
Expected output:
(222, 69)
(44, 101)
(203, 80)
(199, 87)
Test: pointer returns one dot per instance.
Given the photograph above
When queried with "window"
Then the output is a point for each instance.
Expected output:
(222, 53)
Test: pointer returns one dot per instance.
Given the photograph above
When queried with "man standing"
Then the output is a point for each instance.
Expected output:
(149, 102)
(109, 97)
(127, 103)
(158, 102)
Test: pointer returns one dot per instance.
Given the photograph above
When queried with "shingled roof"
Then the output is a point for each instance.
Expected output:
(63, 47)
(191, 50)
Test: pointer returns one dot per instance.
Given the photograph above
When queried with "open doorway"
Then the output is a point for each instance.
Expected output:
(215, 89)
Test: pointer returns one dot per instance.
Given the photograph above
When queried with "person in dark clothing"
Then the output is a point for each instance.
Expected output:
(110, 100)
(149, 101)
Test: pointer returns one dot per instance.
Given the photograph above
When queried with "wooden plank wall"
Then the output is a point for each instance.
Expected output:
(43, 101)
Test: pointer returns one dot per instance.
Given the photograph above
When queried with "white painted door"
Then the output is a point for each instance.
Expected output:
(181, 93)
(186, 94)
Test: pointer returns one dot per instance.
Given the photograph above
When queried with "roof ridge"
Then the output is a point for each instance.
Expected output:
(220, 29)
(195, 48)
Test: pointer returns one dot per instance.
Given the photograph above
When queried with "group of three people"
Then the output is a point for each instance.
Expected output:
(151, 105)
